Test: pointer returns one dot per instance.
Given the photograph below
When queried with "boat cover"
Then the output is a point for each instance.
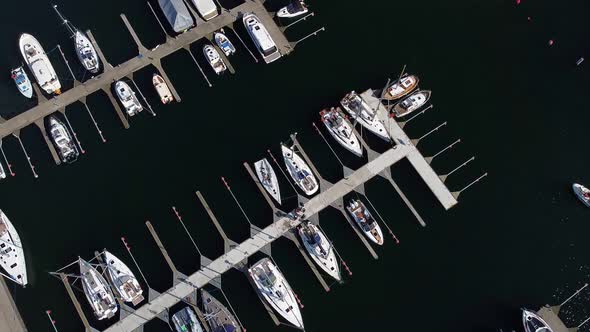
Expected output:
(177, 14)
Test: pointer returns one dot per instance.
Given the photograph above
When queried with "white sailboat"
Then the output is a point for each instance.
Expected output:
(275, 290)
(320, 249)
(2, 171)
(341, 130)
(123, 280)
(39, 64)
(97, 291)
(84, 48)
(362, 113)
(218, 317)
(12, 255)
(214, 59)
(582, 193)
(128, 99)
(365, 221)
(299, 171)
(162, 89)
(268, 179)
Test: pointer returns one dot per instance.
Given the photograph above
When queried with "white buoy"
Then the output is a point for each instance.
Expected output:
(579, 62)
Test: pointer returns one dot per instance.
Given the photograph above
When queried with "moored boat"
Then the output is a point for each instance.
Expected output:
(293, 9)
(206, 8)
(365, 221)
(268, 179)
(39, 64)
(403, 86)
(224, 43)
(62, 140)
(533, 322)
(185, 320)
(123, 280)
(2, 171)
(162, 89)
(276, 291)
(341, 130)
(12, 255)
(320, 249)
(411, 103)
(218, 317)
(214, 59)
(361, 112)
(299, 171)
(177, 14)
(582, 193)
(97, 291)
(22, 81)
(128, 98)
(262, 39)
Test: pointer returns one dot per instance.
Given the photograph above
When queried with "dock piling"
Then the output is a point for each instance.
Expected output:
(457, 193)
(22, 146)
(93, 120)
(48, 313)
(297, 21)
(429, 159)
(162, 250)
(295, 43)
(445, 176)
(6, 160)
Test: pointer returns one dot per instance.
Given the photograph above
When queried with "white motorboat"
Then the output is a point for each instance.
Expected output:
(362, 113)
(365, 221)
(293, 9)
(128, 99)
(162, 89)
(123, 280)
(97, 291)
(299, 171)
(411, 103)
(39, 64)
(12, 255)
(224, 43)
(62, 140)
(582, 193)
(206, 8)
(22, 81)
(274, 288)
(268, 179)
(218, 317)
(264, 42)
(320, 249)
(185, 320)
(533, 322)
(2, 171)
(214, 59)
(403, 86)
(341, 130)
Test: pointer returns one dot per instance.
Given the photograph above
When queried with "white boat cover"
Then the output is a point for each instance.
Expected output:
(177, 14)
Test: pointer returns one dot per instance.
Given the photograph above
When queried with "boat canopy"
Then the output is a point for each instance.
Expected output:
(177, 14)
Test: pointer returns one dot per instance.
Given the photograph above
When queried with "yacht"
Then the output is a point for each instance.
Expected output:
(268, 179)
(274, 288)
(123, 280)
(62, 140)
(320, 250)
(582, 193)
(97, 291)
(293, 9)
(177, 14)
(12, 255)
(362, 113)
(128, 98)
(206, 8)
(533, 322)
(365, 221)
(39, 64)
(185, 320)
(218, 317)
(299, 171)
(264, 42)
(162, 89)
(341, 130)
(411, 103)
(22, 81)
(403, 86)
(224, 43)
(214, 59)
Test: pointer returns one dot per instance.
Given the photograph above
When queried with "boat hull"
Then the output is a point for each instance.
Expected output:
(296, 167)
(62, 140)
(97, 291)
(224, 44)
(401, 111)
(579, 191)
(13, 260)
(219, 318)
(268, 178)
(533, 322)
(86, 52)
(214, 59)
(39, 64)
(162, 89)
(122, 278)
(128, 98)
(21, 79)
(377, 235)
(389, 95)
(329, 263)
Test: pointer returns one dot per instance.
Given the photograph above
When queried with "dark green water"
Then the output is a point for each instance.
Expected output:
(519, 238)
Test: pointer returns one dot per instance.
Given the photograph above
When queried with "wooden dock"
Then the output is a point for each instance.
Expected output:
(10, 319)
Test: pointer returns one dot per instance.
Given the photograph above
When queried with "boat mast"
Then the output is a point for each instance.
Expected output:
(71, 28)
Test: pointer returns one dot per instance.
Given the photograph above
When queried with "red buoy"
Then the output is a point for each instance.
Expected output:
(550, 42)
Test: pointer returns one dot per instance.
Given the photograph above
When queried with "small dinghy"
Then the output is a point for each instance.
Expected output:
(224, 43)
(12, 255)
(214, 59)
(22, 81)
(127, 98)
(39, 64)
(403, 86)
(268, 179)
(218, 317)
(84, 48)
(162, 89)
(123, 280)
(361, 112)
(411, 103)
(320, 250)
(299, 171)
(185, 320)
(341, 130)
(365, 221)
(62, 140)
(294, 9)
(582, 193)
(97, 291)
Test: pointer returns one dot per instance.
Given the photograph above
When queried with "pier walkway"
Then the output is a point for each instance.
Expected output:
(10, 319)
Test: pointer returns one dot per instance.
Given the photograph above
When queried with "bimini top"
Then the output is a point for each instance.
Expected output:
(177, 14)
